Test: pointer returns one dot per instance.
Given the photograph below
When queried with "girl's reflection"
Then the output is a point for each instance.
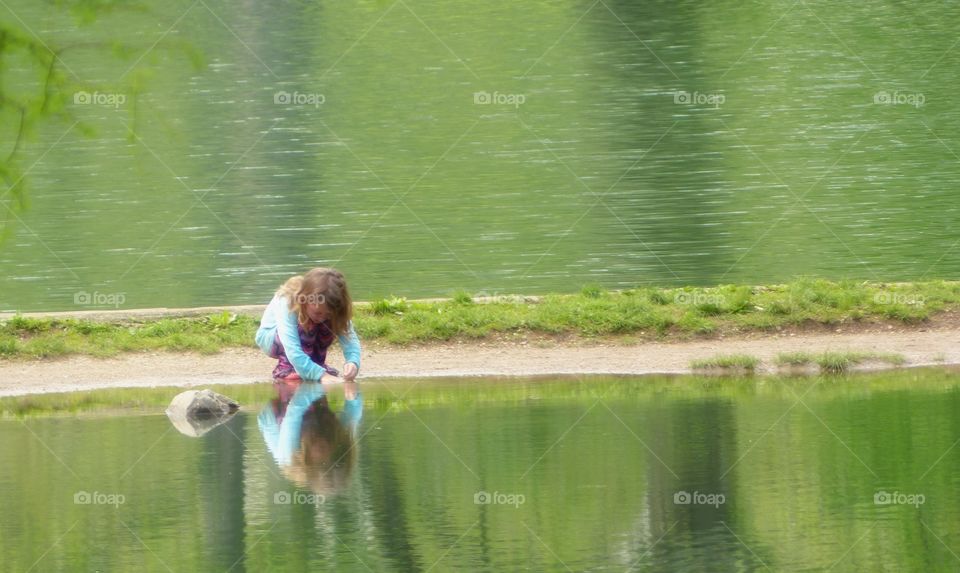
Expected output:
(313, 446)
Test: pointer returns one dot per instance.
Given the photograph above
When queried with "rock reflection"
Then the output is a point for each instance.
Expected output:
(195, 412)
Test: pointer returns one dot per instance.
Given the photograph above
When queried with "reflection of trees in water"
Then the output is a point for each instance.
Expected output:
(246, 145)
(396, 536)
(222, 496)
(697, 442)
(798, 498)
(652, 224)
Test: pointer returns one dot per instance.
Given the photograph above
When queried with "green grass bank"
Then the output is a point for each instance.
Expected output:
(647, 313)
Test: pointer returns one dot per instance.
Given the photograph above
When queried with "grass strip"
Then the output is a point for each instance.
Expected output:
(727, 362)
(833, 361)
(646, 312)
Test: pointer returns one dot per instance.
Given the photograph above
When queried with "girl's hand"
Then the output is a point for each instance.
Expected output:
(349, 372)
(330, 379)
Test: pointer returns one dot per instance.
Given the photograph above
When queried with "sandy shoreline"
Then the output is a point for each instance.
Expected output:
(247, 366)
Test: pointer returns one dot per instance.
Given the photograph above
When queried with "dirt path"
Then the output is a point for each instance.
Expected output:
(920, 347)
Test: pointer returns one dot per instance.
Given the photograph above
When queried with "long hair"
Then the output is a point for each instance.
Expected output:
(327, 455)
(325, 286)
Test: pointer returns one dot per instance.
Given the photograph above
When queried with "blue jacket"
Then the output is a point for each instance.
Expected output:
(279, 319)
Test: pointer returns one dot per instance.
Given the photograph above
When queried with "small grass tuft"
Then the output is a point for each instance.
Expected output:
(221, 320)
(658, 297)
(834, 362)
(8, 346)
(837, 361)
(461, 297)
(794, 359)
(592, 291)
(727, 362)
(843, 361)
(392, 305)
(31, 325)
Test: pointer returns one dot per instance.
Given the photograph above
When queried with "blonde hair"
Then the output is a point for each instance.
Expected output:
(321, 285)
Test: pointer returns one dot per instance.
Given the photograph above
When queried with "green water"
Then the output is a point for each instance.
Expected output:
(785, 475)
(399, 178)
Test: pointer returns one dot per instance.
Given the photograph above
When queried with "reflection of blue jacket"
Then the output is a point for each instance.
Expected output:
(278, 319)
(283, 438)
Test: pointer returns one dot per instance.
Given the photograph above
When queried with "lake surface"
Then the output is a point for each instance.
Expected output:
(521, 148)
(853, 473)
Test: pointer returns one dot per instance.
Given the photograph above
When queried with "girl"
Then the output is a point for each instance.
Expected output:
(306, 313)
